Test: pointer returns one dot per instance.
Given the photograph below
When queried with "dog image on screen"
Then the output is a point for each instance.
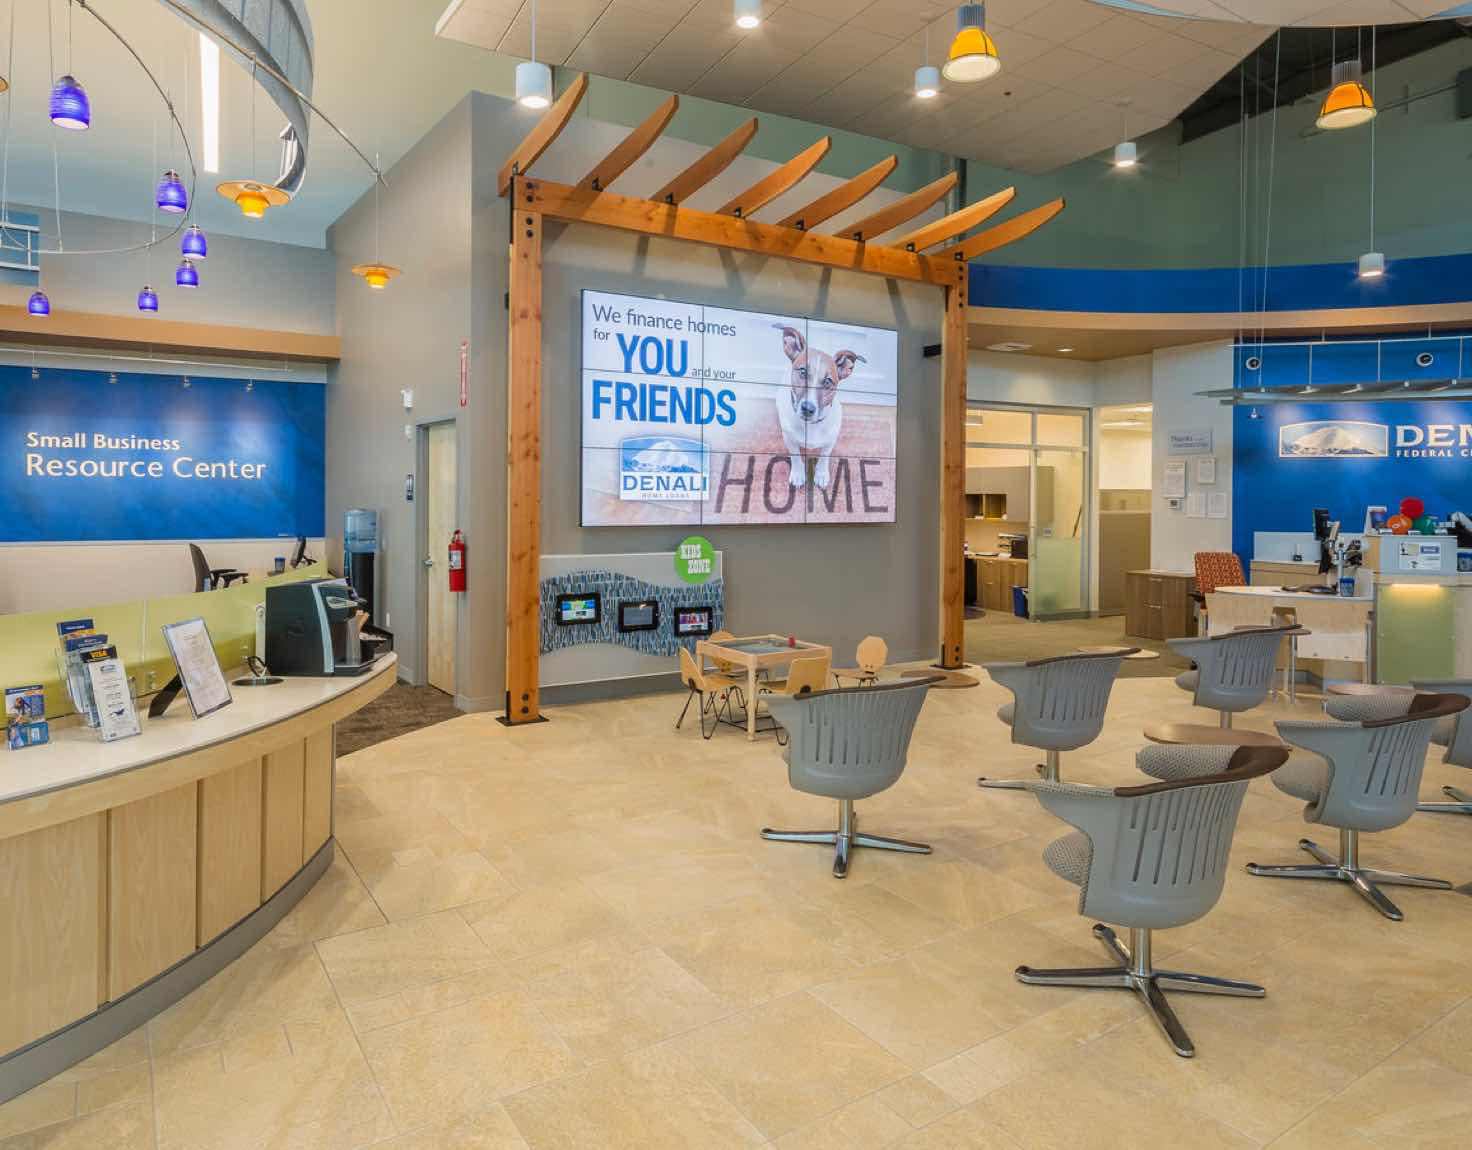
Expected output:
(809, 411)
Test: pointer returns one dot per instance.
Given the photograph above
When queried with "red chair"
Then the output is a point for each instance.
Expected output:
(1214, 570)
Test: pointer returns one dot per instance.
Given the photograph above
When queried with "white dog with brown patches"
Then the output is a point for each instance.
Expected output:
(809, 411)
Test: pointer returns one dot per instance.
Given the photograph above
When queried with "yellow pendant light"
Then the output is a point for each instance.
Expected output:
(251, 197)
(973, 55)
(376, 276)
(1348, 104)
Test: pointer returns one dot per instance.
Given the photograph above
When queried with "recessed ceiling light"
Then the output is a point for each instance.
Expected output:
(1064, 350)
(1009, 345)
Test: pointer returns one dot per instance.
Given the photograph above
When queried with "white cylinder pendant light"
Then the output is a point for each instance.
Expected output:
(1126, 154)
(533, 78)
(1372, 265)
(748, 14)
(927, 82)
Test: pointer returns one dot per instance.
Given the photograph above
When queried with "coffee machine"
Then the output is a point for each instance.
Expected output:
(313, 628)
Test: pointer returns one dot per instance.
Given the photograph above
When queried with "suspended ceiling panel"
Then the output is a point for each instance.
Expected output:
(1071, 70)
(1310, 13)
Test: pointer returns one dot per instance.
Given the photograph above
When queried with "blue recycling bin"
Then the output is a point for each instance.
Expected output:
(1019, 602)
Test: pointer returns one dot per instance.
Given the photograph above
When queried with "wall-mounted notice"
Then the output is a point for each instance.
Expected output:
(700, 415)
(1189, 441)
(1174, 485)
(1206, 469)
(88, 456)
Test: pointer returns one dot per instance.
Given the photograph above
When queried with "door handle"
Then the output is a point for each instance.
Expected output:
(429, 560)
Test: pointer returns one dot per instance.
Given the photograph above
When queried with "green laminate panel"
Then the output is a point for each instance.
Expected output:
(1415, 632)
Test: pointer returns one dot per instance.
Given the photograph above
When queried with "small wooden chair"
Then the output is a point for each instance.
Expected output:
(805, 676)
(871, 656)
(713, 689)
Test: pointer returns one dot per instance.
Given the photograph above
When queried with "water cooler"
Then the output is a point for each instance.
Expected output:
(360, 556)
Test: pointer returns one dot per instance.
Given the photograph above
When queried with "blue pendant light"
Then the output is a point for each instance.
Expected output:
(193, 245)
(186, 276)
(148, 299)
(70, 108)
(38, 304)
(171, 196)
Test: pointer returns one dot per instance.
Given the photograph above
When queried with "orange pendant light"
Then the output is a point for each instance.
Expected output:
(1348, 104)
(252, 198)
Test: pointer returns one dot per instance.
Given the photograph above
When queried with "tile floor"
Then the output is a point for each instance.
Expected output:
(571, 936)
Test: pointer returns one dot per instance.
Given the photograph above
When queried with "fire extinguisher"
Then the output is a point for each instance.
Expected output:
(457, 563)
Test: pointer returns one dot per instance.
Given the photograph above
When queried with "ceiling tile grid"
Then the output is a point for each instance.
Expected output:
(1075, 72)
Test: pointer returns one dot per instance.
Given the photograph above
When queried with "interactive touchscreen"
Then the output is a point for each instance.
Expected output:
(638, 615)
(692, 621)
(585, 607)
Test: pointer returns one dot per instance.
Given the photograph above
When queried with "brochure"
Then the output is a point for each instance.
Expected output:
(25, 717)
(117, 717)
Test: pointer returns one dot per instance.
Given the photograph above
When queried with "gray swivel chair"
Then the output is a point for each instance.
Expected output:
(1455, 734)
(1057, 704)
(1151, 857)
(848, 744)
(1234, 670)
(1361, 776)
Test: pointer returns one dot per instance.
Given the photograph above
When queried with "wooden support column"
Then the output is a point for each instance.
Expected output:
(953, 341)
(524, 464)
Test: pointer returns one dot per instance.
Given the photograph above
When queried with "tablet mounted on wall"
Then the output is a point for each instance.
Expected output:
(579, 608)
(693, 622)
(638, 615)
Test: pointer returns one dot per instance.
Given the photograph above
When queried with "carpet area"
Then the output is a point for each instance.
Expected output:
(399, 710)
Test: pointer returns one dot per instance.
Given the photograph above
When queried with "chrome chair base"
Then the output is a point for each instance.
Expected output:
(1048, 772)
(1346, 868)
(845, 839)
(1461, 803)
(1136, 972)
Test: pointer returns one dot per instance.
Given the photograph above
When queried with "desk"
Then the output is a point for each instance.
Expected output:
(756, 653)
(1201, 735)
(135, 870)
(1336, 627)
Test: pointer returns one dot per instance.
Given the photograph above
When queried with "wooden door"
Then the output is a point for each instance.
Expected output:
(441, 490)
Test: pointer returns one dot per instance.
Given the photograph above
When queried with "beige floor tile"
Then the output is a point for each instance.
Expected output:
(1449, 1040)
(44, 1105)
(650, 1098)
(867, 1122)
(129, 1050)
(400, 956)
(1410, 1101)
(624, 1001)
(114, 1087)
(542, 917)
(789, 1062)
(266, 985)
(960, 892)
(868, 922)
(337, 904)
(419, 881)
(462, 1059)
(315, 1092)
(917, 1100)
(126, 1127)
(650, 892)
(488, 1129)
(969, 1129)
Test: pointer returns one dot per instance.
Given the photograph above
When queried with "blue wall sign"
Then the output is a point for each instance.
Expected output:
(83, 458)
(1346, 457)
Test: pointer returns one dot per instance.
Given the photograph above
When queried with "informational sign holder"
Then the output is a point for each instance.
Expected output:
(199, 672)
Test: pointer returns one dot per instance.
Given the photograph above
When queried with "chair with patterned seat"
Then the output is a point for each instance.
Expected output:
(1152, 857)
(1455, 734)
(1214, 570)
(1361, 775)
(1057, 705)
(1233, 671)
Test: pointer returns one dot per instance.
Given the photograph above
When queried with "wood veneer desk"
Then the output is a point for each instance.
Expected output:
(130, 872)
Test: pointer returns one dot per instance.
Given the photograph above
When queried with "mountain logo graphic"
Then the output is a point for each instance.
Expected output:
(1333, 439)
(663, 467)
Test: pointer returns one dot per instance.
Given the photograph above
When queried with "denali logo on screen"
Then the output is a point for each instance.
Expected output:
(696, 415)
(1355, 439)
(653, 467)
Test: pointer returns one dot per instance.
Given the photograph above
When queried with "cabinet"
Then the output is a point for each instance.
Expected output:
(1005, 493)
(1158, 605)
(997, 577)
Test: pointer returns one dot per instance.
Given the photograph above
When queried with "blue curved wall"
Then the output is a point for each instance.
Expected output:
(1406, 283)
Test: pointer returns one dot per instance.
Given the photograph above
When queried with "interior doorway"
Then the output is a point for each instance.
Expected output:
(1124, 499)
(440, 516)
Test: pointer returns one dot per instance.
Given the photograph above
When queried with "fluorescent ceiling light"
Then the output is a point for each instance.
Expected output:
(209, 101)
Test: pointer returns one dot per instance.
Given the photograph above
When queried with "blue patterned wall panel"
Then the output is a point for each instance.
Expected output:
(615, 588)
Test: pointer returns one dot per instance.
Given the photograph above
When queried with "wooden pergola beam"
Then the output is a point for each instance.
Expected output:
(630, 148)
(841, 198)
(540, 138)
(559, 201)
(905, 208)
(708, 167)
(772, 185)
(951, 226)
(1008, 232)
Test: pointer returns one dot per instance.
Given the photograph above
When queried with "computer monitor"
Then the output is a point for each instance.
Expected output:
(638, 615)
(693, 622)
(1321, 523)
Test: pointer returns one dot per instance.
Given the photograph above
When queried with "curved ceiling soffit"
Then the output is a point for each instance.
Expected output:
(278, 34)
(1269, 12)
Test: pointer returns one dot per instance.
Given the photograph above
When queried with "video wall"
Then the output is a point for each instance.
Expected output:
(698, 415)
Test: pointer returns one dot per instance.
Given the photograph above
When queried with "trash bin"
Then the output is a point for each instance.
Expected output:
(1019, 602)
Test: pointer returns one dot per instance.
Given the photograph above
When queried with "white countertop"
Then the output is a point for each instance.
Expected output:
(1281, 593)
(75, 755)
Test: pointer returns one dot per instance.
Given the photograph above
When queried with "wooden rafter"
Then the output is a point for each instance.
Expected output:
(647, 217)
(548, 128)
(951, 226)
(905, 208)
(634, 145)
(772, 185)
(1003, 234)
(841, 198)
(708, 167)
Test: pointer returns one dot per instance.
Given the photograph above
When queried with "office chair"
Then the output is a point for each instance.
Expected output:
(1234, 670)
(1361, 776)
(207, 578)
(1151, 857)
(1057, 705)
(1455, 734)
(847, 744)
(1216, 569)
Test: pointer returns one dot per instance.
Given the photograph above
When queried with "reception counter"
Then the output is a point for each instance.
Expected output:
(132, 871)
